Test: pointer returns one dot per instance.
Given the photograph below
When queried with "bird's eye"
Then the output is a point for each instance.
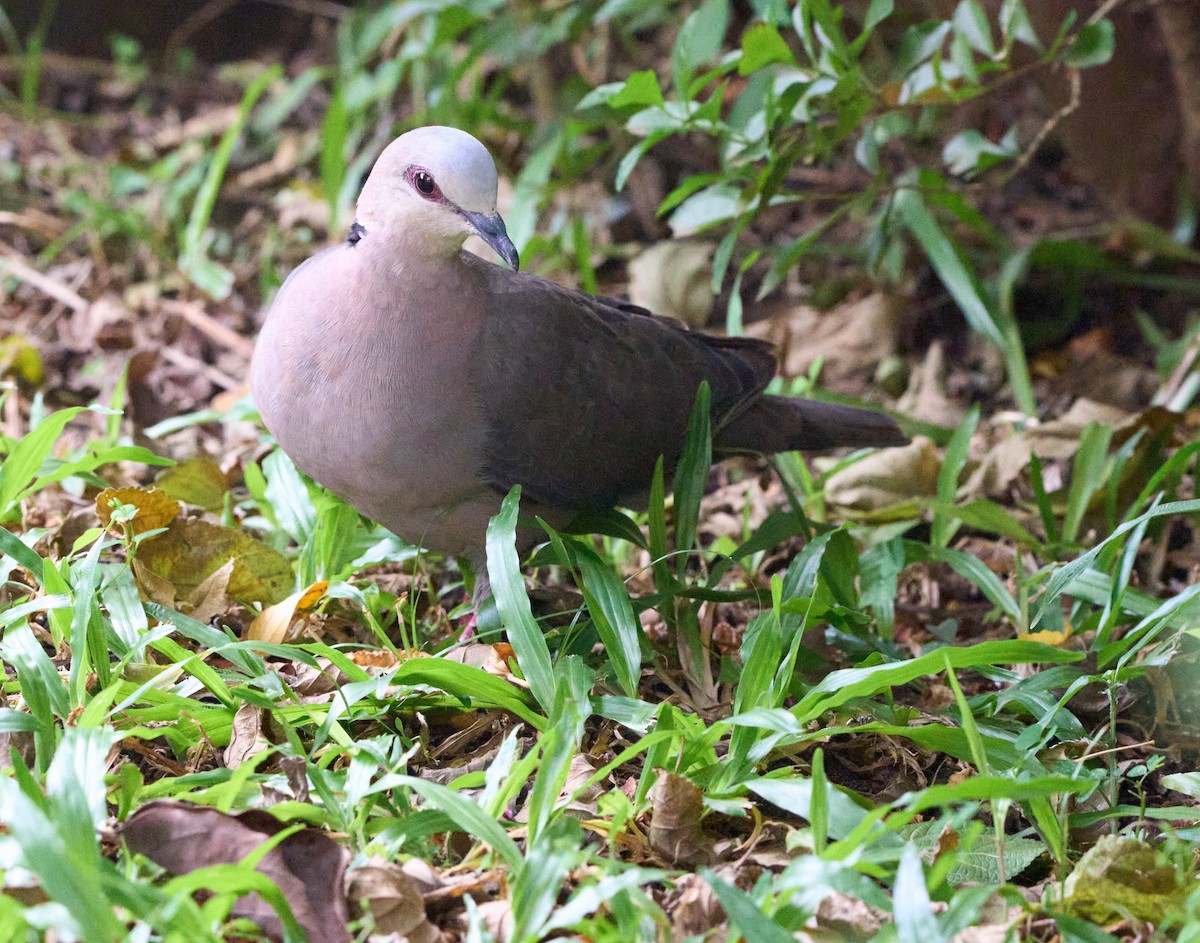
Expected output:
(424, 183)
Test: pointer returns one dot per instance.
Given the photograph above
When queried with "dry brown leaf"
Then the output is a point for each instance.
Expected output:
(247, 739)
(842, 917)
(695, 909)
(307, 866)
(210, 598)
(152, 586)
(1054, 440)
(674, 278)
(675, 830)
(155, 508)
(393, 899)
(886, 480)
(498, 918)
(377, 658)
(849, 339)
(926, 398)
(274, 623)
(191, 550)
(197, 481)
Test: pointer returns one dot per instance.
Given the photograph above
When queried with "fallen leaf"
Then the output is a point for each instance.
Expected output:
(842, 917)
(210, 598)
(155, 509)
(1120, 877)
(695, 909)
(675, 830)
(274, 623)
(307, 866)
(247, 739)
(887, 480)
(393, 899)
(197, 481)
(849, 339)
(191, 550)
(674, 278)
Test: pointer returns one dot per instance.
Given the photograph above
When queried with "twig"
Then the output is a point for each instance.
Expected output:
(188, 362)
(210, 327)
(43, 282)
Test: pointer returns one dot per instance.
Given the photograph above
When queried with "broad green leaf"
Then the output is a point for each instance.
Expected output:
(1093, 45)
(762, 46)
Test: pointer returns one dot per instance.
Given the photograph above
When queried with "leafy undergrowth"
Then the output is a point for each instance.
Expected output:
(943, 692)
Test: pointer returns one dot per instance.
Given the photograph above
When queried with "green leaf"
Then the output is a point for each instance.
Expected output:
(699, 41)
(641, 88)
(912, 908)
(762, 46)
(22, 464)
(1093, 45)
(333, 152)
(612, 614)
(504, 572)
(468, 816)
(838, 687)
(691, 475)
(959, 281)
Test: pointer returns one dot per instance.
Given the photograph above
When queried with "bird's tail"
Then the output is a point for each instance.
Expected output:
(781, 424)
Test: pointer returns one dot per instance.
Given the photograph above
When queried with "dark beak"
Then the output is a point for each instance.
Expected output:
(491, 230)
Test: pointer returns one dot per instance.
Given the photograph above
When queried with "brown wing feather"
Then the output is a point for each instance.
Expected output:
(583, 394)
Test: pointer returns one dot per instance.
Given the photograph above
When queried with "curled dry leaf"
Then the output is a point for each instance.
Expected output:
(675, 830)
(247, 739)
(674, 278)
(308, 867)
(393, 899)
(274, 623)
(842, 917)
(850, 339)
(210, 598)
(1057, 440)
(155, 508)
(696, 909)
(889, 480)
(498, 918)
(926, 398)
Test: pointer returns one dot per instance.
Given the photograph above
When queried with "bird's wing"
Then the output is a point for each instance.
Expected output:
(582, 394)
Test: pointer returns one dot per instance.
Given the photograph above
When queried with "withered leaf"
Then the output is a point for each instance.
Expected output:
(155, 509)
(197, 481)
(191, 550)
(675, 830)
(308, 866)
(394, 900)
(274, 623)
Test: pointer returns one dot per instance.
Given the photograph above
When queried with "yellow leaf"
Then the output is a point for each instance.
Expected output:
(274, 623)
(18, 356)
(197, 481)
(191, 550)
(155, 509)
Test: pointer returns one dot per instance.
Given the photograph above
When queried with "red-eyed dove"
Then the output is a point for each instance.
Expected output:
(420, 383)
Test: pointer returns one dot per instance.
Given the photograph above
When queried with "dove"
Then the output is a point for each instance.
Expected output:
(420, 382)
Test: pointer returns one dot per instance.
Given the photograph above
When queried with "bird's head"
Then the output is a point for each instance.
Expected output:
(440, 184)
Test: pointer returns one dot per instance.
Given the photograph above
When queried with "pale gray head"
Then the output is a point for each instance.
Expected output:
(439, 183)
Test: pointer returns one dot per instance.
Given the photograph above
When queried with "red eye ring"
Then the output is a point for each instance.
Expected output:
(422, 181)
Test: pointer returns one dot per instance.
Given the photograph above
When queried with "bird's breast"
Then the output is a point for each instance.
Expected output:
(368, 391)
